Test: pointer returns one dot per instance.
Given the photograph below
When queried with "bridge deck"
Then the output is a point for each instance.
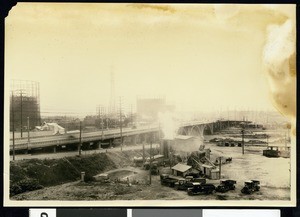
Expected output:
(52, 140)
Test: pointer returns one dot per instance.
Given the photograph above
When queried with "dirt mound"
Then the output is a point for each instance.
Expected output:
(50, 172)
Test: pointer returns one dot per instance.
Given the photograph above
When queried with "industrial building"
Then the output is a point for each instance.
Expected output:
(24, 105)
(181, 170)
(149, 108)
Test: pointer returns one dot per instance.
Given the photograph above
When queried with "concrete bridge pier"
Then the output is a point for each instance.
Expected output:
(135, 139)
(144, 138)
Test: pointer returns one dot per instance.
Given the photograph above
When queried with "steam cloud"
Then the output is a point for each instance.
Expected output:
(168, 125)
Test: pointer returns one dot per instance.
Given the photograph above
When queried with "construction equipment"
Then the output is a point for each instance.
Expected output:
(226, 185)
(250, 187)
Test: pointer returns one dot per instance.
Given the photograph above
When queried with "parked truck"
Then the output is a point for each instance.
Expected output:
(201, 189)
(168, 180)
(250, 187)
(184, 184)
(226, 185)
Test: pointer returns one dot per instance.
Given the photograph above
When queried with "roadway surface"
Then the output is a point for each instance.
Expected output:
(70, 138)
(74, 153)
(38, 141)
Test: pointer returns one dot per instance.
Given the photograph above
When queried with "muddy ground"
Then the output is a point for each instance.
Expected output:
(273, 173)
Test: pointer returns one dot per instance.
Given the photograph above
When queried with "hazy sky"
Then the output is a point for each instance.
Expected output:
(200, 57)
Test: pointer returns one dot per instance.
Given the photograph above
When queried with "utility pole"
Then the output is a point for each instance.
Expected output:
(143, 152)
(170, 154)
(131, 115)
(79, 146)
(121, 123)
(220, 166)
(98, 113)
(243, 142)
(28, 135)
(13, 123)
(159, 140)
(100, 118)
(102, 123)
(112, 93)
(21, 95)
(150, 162)
(102, 128)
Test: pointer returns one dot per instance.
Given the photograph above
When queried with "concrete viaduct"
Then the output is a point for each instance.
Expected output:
(109, 138)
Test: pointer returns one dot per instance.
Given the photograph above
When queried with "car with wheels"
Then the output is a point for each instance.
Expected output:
(199, 188)
(251, 186)
(226, 185)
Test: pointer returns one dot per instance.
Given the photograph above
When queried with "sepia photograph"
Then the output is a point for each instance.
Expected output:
(129, 104)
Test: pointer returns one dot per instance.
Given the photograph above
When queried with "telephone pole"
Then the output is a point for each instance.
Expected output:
(150, 178)
(28, 135)
(121, 123)
(243, 142)
(79, 146)
(21, 95)
(220, 166)
(112, 93)
(143, 152)
(102, 123)
(131, 115)
(13, 123)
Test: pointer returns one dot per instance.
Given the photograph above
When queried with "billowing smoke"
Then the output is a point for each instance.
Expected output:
(180, 145)
(168, 125)
(186, 144)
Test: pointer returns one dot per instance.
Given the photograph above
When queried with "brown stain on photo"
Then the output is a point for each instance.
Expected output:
(157, 7)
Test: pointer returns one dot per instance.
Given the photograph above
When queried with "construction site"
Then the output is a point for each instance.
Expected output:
(185, 167)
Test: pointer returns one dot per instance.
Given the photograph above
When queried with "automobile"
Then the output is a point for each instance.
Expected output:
(154, 169)
(189, 178)
(167, 180)
(199, 188)
(226, 185)
(251, 186)
(200, 180)
(183, 184)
